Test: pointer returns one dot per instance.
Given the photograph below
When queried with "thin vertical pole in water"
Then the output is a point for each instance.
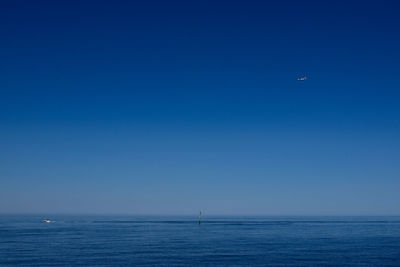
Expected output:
(200, 218)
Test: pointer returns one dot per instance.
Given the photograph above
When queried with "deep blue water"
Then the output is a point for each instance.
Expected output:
(180, 241)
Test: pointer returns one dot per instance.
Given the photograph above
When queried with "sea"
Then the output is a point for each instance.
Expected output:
(181, 241)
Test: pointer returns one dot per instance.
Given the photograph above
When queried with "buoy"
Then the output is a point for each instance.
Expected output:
(200, 218)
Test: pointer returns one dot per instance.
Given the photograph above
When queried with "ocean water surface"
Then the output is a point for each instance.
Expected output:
(180, 241)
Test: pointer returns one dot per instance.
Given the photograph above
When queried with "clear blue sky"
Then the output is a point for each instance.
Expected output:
(165, 107)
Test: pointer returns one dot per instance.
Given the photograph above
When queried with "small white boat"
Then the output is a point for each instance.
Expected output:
(47, 221)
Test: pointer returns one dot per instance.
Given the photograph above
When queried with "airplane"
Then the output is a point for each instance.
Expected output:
(302, 78)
